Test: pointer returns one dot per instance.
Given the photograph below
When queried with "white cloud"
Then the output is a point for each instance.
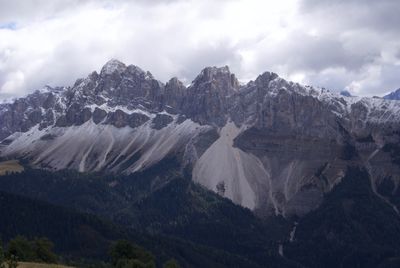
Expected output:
(15, 83)
(55, 42)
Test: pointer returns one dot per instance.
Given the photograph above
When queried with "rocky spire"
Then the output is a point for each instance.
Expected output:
(206, 99)
(111, 66)
(174, 93)
(264, 78)
(220, 77)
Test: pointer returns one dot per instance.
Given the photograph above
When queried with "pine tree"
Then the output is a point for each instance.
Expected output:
(2, 258)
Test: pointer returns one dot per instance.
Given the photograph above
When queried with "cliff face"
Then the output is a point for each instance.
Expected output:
(276, 146)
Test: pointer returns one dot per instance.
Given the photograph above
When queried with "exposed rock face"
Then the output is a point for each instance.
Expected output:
(98, 115)
(137, 119)
(161, 121)
(24, 113)
(207, 99)
(118, 118)
(276, 146)
(174, 94)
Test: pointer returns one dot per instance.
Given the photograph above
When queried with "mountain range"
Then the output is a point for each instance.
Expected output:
(278, 148)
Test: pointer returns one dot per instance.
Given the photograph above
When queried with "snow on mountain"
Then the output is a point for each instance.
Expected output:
(277, 146)
(395, 95)
(111, 66)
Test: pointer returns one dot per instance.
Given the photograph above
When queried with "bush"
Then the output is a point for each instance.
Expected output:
(43, 249)
(21, 248)
(172, 263)
(39, 249)
(124, 254)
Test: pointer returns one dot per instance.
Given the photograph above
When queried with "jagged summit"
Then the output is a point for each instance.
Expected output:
(111, 66)
(395, 95)
(220, 79)
(175, 81)
(119, 67)
(265, 78)
(211, 72)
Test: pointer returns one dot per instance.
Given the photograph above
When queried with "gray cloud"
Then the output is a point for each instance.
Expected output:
(390, 77)
(310, 53)
(220, 54)
(367, 39)
(28, 10)
(379, 15)
(351, 44)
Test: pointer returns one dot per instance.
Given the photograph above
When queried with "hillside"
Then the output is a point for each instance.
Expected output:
(177, 213)
(74, 233)
(195, 226)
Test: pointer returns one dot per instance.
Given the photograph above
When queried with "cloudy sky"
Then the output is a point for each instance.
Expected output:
(337, 44)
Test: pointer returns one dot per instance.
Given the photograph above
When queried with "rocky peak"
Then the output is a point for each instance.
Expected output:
(174, 88)
(265, 78)
(207, 98)
(111, 66)
(133, 70)
(209, 73)
(220, 77)
(118, 83)
(174, 93)
(395, 95)
(175, 82)
(93, 76)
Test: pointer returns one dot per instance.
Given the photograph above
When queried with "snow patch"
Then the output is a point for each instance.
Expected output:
(108, 109)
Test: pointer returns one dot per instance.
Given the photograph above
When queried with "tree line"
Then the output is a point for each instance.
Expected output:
(22, 249)
(123, 254)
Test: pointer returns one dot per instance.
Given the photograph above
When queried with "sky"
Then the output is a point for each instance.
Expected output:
(349, 45)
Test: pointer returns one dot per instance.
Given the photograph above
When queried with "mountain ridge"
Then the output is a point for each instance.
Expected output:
(394, 95)
(276, 145)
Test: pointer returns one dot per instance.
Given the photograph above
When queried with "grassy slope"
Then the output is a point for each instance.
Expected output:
(10, 166)
(40, 265)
